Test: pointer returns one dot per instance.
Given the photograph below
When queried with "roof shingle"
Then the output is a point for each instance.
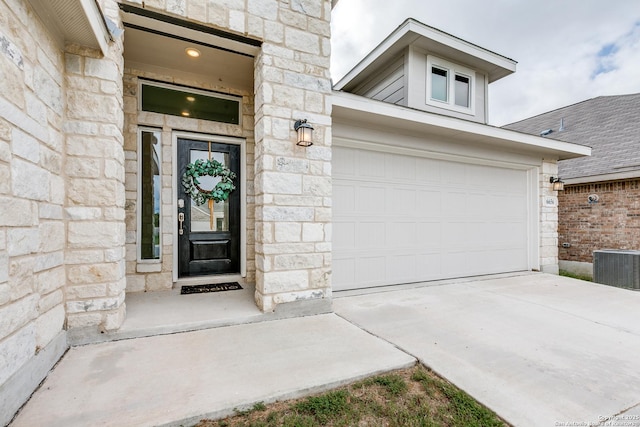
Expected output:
(610, 125)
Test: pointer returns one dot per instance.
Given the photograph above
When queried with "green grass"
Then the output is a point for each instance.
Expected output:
(411, 397)
(566, 273)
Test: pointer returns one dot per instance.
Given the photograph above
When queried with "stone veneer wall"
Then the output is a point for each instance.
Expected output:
(548, 220)
(32, 196)
(611, 223)
(150, 276)
(293, 184)
(95, 255)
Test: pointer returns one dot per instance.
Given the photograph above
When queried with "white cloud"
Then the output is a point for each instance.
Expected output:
(567, 51)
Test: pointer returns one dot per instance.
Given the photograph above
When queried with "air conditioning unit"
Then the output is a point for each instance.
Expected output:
(617, 268)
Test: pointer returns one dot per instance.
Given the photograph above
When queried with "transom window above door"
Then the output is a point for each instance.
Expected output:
(450, 86)
(188, 102)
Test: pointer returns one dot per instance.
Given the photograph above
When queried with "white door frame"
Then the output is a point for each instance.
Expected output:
(242, 142)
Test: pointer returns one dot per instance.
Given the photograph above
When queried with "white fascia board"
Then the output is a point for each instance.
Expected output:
(97, 23)
(604, 177)
(347, 106)
(391, 45)
(382, 48)
(462, 45)
(76, 21)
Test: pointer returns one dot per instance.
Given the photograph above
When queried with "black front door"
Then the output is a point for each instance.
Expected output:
(208, 236)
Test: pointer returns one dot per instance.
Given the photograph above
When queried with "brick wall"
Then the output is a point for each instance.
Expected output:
(611, 223)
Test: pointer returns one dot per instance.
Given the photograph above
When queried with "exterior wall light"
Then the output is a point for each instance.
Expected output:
(305, 133)
(558, 184)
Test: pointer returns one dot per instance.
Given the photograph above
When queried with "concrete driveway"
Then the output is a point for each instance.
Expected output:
(538, 349)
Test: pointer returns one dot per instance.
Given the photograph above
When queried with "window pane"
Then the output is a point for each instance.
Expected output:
(187, 104)
(201, 215)
(150, 183)
(462, 91)
(438, 84)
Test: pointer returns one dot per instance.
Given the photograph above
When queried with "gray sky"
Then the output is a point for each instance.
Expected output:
(567, 50)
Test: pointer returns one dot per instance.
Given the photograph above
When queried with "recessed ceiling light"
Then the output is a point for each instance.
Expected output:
(190, 98)
(186, 113)
(192, 52)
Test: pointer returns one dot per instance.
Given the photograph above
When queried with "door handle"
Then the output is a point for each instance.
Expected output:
(180, 221)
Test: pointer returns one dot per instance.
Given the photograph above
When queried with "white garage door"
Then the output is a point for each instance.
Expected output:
(401, 219)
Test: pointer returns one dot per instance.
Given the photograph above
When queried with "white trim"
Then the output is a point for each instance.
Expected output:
(411, 31)
(96, 21)
(139, 259)
(452, 70)
(535, 238)
(346, 106)
(242, 142)
(340, 141)
(188, 89)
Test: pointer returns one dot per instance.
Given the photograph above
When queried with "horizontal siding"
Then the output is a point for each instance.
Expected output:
(387, 86)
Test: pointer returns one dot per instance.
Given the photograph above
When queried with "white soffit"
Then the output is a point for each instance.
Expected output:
(75, 21)
(349, 108)
(436, 42)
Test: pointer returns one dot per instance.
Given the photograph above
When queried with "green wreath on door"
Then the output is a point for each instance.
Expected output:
(212, 168)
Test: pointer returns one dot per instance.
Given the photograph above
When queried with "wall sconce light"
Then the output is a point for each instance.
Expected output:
(558, 184)
(305, 133)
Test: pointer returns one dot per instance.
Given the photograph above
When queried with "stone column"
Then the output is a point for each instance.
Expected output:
(95, 197)
(292, 183)
(548, 219)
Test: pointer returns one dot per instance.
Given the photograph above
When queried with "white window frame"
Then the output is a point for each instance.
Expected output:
(452, 70)
(188, 89)
(157, 261)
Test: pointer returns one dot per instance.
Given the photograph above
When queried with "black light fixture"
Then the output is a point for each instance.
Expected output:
(558, 184)
(305, 133)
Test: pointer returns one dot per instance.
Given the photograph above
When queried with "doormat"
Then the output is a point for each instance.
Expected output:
(214, 287)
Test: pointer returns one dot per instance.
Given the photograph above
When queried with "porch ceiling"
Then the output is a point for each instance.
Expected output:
(157, 44)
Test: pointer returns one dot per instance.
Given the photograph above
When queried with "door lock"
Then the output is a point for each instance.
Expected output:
(180, 221)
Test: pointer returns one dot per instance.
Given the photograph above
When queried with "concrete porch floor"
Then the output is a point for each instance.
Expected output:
(168, 312)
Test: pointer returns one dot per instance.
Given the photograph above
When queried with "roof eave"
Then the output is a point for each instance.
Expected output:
(602, 177)
(364, 110)
(410, 31)
(75, 21)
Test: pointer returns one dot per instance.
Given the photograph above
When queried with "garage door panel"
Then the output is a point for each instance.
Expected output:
(401, 235)
(371, 164)
(345, 163)
(370, 198)
(403, 202)
(428, 171)
(454, 204)
(425, 219)
(344, 235)
(429, 266)
(344, 270)
(344, 195)
(428, 234)
(371, 235)
(403, 168)
(403, 267)
(429, 203)
(371, 270)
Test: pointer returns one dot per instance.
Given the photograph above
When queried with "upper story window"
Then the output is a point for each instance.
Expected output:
(188, 102)
(449, 85)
